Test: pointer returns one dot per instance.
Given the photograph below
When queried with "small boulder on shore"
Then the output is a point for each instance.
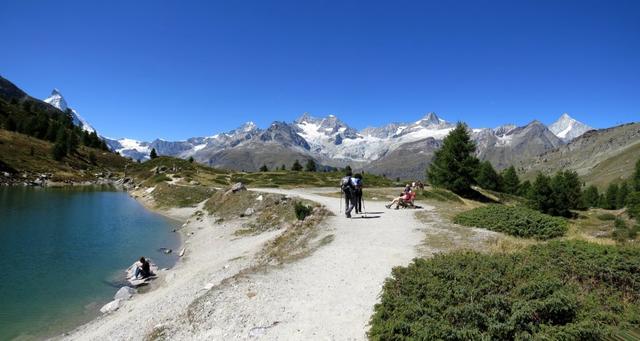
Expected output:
(110, 307)
(125, 293)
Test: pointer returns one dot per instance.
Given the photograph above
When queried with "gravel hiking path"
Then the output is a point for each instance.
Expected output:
(328, 295)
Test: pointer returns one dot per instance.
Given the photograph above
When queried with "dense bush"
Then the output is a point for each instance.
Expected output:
(302, 210)
(516, 221)
(568, 290)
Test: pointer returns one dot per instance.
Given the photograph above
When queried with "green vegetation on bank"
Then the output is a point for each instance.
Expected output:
(514, 220)
(24, 155)
(558, 290)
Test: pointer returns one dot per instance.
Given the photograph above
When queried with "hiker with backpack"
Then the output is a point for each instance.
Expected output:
(348, 188)
(358, 192)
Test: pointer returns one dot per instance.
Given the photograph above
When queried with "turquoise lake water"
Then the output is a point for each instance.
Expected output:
(63, 253)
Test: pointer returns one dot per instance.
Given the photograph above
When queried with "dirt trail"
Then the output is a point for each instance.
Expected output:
(329, 295)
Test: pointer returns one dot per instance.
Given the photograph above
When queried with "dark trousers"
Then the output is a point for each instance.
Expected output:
(358, 200)
(349, 201)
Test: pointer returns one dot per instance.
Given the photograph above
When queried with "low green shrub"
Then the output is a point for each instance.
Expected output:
(302, 210)
(622, 232)
(514, 220)
(561, 290)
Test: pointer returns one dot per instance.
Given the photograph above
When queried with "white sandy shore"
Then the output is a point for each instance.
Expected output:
(328, 295)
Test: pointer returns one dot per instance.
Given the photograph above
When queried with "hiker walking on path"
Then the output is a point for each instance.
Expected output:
(358, 192)
(348, 187)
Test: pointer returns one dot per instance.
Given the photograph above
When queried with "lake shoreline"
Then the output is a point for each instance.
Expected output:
(102, 229)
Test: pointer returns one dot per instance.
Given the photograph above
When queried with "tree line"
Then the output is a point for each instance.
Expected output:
(27, 117)
(310, 166)
(456, 168)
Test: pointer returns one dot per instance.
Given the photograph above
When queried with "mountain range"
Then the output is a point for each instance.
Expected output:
(400, 149)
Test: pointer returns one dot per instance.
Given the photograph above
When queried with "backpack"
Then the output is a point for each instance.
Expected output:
(346, 184)
(358, 183)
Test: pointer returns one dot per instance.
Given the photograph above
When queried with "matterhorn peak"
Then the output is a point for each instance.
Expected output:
(57, 100)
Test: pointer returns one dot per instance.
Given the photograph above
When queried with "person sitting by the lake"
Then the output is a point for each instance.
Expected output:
(143, 269)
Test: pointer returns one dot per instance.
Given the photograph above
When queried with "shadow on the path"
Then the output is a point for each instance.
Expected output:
(366, 217)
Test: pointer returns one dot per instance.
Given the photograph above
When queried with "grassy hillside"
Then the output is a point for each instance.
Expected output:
(599, 157)
(21, 154)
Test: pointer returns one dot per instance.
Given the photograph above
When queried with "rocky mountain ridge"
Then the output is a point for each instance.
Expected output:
(400, 149)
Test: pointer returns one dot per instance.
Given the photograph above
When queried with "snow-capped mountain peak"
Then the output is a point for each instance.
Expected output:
(567, 128)
(57, 100)
(431, 119)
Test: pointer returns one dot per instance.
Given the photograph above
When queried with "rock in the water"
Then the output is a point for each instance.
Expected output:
(182, 251)
(249, 212)
(260, 198)
(125, 293)
(238, 187)
(110, 307)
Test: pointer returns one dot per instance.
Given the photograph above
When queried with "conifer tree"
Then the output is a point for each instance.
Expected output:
(296, 166)
(591, 197)
(487, 177)
(510, 181)
(566, 194)
(190, 159)
(525, 189)
(573, 187)
(633, 205)
(635, 178)
(59, 149)
(264, 168)
(542, 194)
(454, 165)
(283, 167)
(72, 142)
(348, 169)
(153, 154)
(611, 197)
(310, 166)
(621, 196)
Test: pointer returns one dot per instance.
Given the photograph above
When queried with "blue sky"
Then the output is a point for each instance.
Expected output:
(177, 69)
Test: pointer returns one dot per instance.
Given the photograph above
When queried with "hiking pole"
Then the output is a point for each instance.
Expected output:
(340, 201)
(364, 208)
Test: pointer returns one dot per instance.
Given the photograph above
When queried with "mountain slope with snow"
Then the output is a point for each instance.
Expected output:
(397, 149)
(57, 100)
(567, 128)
